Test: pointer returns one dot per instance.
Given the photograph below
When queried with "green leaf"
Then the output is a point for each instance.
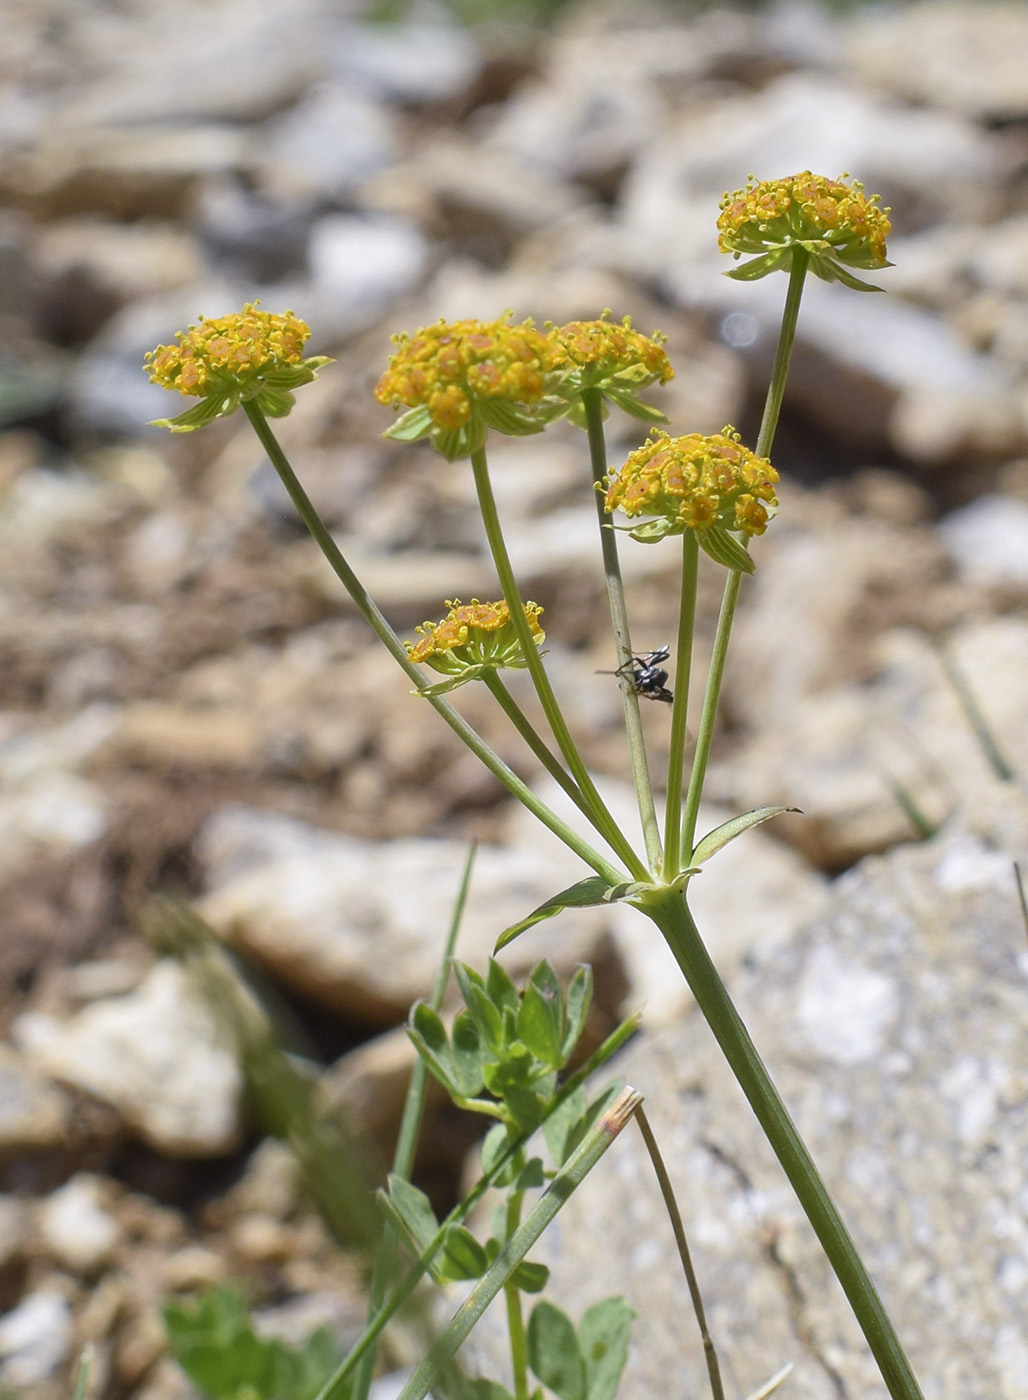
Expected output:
(576, 1009)
(561, 1125)
(481, 1389)
(409, 427)
(541, 1015)
(578, 896)
(729, 830)
(502, 415)
(724, 548)
(531, 1176)
(553, 1352)
(529, 1277)
(502, 992)
(428, 1033)
(411, 1211)
(762, 266)
(483, 1012)
(526, 1107)
(635, 408)
(462, 1256)
(467, 1056)
(603, 1338)
(831, 271)
(494, 1145)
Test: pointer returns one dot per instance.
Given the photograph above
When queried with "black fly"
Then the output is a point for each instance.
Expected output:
(645, 675)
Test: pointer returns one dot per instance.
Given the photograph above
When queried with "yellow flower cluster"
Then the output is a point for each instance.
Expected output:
(606, 348)
(482, 632)
(448, 366)
(244, 345)
(695, 483)
(804, 208)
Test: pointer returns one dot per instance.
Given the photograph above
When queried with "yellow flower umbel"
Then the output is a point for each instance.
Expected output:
(458, 379)
(228, 360)
(712, 485)
(612, 357)
(835, 222)
(472, 638)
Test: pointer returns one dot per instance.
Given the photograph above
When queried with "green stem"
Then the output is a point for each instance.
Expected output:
(375, 619)
(407, 1139)
(337, 1385)
(786, 340)
(512, 1298)
(708, 714)
(673, 862)
(602, 819)
(510, 707)
(765, 439)
(667, 1192)
(592, 402)
(670, 913)
(571, 1175)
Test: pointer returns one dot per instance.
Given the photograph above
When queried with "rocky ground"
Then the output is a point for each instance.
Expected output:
(189, 705)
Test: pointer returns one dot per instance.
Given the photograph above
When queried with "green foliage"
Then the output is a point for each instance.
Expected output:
(585, 1364)
(213, 1340)
(505, 1044)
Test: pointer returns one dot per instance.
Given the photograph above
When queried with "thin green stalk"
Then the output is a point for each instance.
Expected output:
(571, 1175)
(730, 596)
(512, 1298)
(336, 1387)
(602, 818)
(671, 914)
(407, 1139)
(592, 402)
(708, 714)
(673, 861)
(375, 619)
(667, 1193)
(510, 707)
(968, 702)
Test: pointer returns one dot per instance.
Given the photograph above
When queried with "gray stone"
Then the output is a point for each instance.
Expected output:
(156, 1057)
(33, 1112)
(35, 1338)
(359, 925)
(891, 1025)
(988, 540)
(76, 1228)
(962, 58)
(321, 148)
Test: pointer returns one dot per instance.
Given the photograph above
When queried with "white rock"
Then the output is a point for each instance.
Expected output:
(156, 1056)
(75, 1226)
(988, 540)
(360, 264)
(359, 924)
(35, 1338)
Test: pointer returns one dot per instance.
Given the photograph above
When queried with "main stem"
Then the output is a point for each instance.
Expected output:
(376, 620)
(765, 438)
(592, 402)
(671, 914)
(673, 862)
(601, 817)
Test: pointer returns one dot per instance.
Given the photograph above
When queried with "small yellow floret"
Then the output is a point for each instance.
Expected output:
(611, 347)
(695, 482)
(473, 636)
(449, 365)
(247, 344)
(768, 214)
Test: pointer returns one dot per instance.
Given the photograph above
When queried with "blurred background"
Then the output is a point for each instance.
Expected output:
(188, 703)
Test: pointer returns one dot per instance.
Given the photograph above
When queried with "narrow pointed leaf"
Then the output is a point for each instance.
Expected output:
(579, 999)
(724, 548)
(728, 831)
(428, 1033)
(578, 896)
(411, 425)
